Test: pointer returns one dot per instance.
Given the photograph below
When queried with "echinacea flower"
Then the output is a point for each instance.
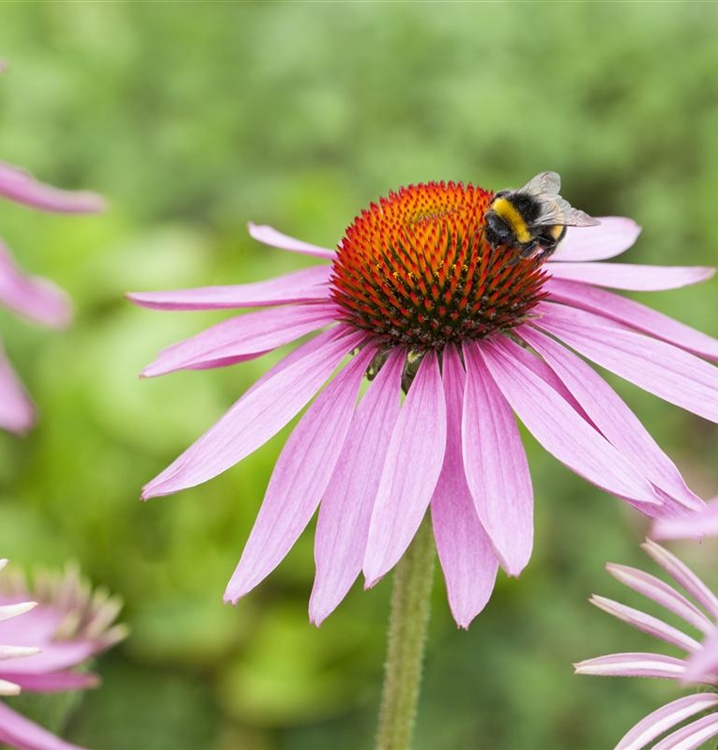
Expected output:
(700, 614)
(44, 640)
(472, 335)
(34, 298)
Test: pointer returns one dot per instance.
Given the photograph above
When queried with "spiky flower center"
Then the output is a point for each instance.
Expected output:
(415, 270)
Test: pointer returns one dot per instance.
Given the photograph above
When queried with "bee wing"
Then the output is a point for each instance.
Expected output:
(559, 211)
(545, 183)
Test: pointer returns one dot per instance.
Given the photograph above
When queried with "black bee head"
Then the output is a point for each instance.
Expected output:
(496, 230)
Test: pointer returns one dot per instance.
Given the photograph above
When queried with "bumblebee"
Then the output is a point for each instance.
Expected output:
(533, 219)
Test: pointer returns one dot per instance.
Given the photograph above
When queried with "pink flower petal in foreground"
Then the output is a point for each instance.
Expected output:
(475, 336)
(43, 641)
(666, 667)
(32, 297)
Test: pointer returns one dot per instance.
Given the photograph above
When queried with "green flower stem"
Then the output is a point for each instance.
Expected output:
(408, 624)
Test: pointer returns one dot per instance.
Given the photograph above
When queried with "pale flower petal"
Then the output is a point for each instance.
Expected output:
(666, 717)
(465, 552)
(270, 236)
(347, 504)
(411, 470)
(300, 478)
(613, 236)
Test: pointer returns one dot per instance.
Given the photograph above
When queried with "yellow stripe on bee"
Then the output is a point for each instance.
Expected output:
(506, 210)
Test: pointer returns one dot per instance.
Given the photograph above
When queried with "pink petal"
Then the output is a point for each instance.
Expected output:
(647, 623)
(348, 501)
(413, 464)
(8, 611)
(683, 575)
(55, 655)
(612, 417)
(497, 471)
(661, 593)
(54, 682)
(659, 368)
(666, 717)
(272, 237)
(35, 298)
(17, 731)
(306, 285)
(17, 414)
(243, 337)
(705, 661)
(694, 525)
(691, 736)
(258, 415)
(558, 427)
(633, 665)
(613, 236)
(300, 478)
(465, 552)
(20, 186)
(637, 278)
(633, 314)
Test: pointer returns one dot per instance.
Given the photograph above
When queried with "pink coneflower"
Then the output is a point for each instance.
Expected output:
(474, 334)
(44, 640)
(700, 614)
(36, 299)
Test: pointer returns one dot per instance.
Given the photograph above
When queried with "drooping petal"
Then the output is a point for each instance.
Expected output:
(465, 552)
(17, 731)
(53, 682)
(633, 314)
(666, 717)
(35, 298)
(299, 478)
(613, 236)
(683, 575)
(258, 415)
(306, 285)
(692, 736)
(17, 413)
(497, 471)
(241, 338)
(20, 186)
(695, 525)
(633, 665)
(659, 368)
(270, 236)
(347, 504)
(612, 417)
(558, 427)
(647, 623)
(704, 661)
(661, 593)
(412, 467)
(637, 278)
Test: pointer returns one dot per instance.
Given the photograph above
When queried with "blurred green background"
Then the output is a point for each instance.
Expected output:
(194, 119)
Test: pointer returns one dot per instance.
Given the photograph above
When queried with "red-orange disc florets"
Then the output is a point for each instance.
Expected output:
(415, 270)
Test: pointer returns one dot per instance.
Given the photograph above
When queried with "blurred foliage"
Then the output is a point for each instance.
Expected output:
(194, 119)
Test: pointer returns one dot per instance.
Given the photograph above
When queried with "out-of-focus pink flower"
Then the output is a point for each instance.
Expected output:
(43, 641)
(476, 335)
(700, 614)
(34, 298)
